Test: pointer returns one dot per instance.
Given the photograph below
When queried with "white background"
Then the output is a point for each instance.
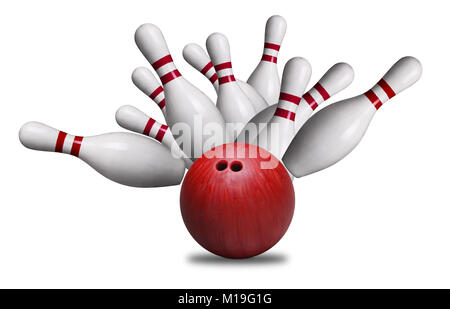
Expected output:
(378, 219)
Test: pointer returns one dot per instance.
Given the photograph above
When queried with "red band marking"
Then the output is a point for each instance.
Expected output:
(162, 104)
(76, 145)
(374, 99)
(322, 91)
(290, 98)
(226, 79)
(213, 78)
(160, 135)
(170, 76)
(60, 141)
(223, 66)
(312, 103)
(161, 62)
(207, 68)
(385, 86)
(155, 93)
(284, 114)
(269, 58)
(149, 126)
(272, 46)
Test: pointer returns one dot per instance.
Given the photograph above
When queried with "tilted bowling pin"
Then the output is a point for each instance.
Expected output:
(126, 158)
(131, 118)
(199, 60)
(186, 105)
(333, 132)
(280, 130)
(234, 105)
(337, 78)
(146, 82)
(265, 78)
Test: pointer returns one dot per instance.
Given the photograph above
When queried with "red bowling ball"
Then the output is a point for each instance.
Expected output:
(237, 200)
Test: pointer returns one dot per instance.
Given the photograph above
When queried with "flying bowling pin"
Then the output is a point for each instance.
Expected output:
(186, 105)
(234, 105)
(280, 130)
(131, 118)
(146, 82)
(265, 78)
(337, 78)
(199, 60)
(126, 158)
(333, 132)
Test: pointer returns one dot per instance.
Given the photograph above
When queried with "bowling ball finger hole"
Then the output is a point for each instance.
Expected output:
(236, 166)
(222, 165)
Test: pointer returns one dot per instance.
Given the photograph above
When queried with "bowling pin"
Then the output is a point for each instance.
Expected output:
(280, 130)
(199, 60)
(234, 105)
(126, 158)
(333, 132)
(146, 82)
(265, 78)
(131, 118)
(337, 78)
(186, 105)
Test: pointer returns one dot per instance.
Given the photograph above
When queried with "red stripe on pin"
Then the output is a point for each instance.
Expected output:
(269, 58)
(290, 98)
(155, 93)
(284, 114)
(162, 104)
(387, 89)
(373, 98)
(60, 141)
(160, 135)
(76, 145)
(223, 66)
(149, 126)
(170, 76)
(226, 79)
(312, 103)
(322, 91)
(207, 68)
(213, 78)
(161, 62)
(272, 46)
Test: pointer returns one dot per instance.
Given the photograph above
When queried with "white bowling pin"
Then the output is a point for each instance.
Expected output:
(185, 103)
(199, 60)
(265, 78)
(280, 130)
(333, 132)
(145, 81)
(337, 78)
(234, 105)
(126, 158)
(133, 119)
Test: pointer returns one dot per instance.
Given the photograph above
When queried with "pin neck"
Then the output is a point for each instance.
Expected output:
(165, 76)
(162, 104)
(283, 113)
(206, 69)
(323, 96)
(225, 73)
(170, 76)
(162, 62)
(155, 93)
(287, 105)
(270, 52)
(154, 96)
(159, 134)
(380, 93)
(76, 144)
